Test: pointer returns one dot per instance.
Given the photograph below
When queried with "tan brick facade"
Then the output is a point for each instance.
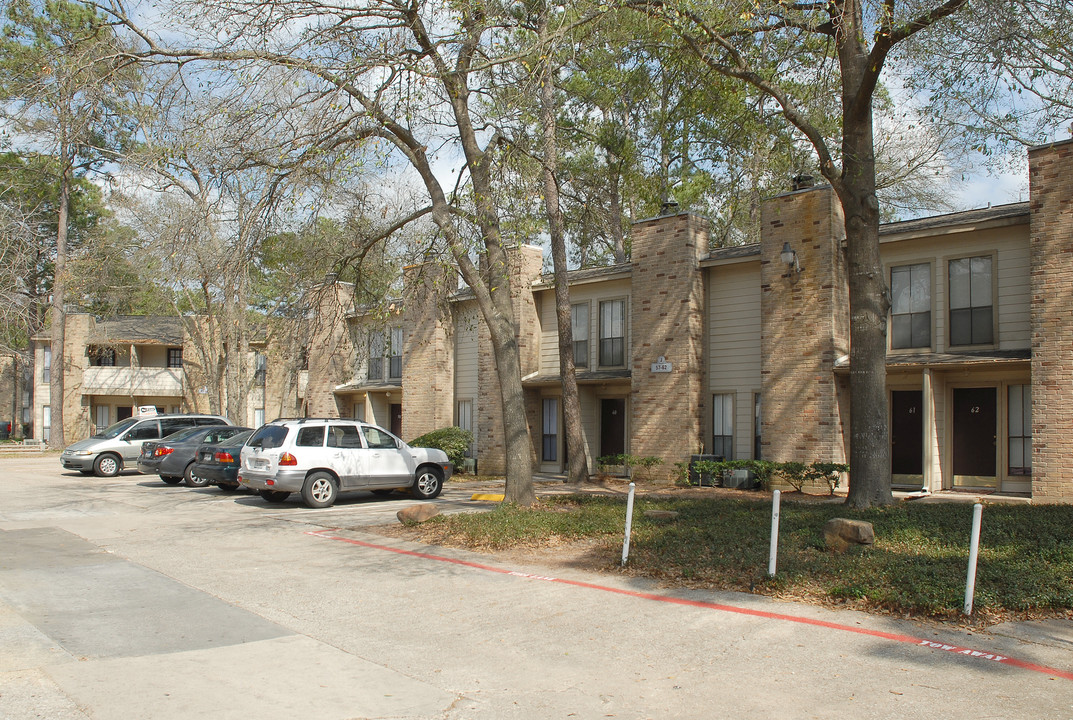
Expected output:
(1051, 177)
(805, 317)
(428, 350)
(667, 321)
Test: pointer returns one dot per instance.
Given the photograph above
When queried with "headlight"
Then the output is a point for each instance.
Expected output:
(83, 452)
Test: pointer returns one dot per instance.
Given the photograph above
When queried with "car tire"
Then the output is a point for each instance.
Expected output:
(170, 479)
(191, 480)
(273, 496)
(427, 483)
(320, 490)
(107, 465)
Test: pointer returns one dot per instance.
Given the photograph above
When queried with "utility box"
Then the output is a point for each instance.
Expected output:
(740, 479)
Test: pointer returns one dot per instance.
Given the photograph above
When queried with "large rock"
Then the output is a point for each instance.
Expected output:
(841, 533)
(417, 513)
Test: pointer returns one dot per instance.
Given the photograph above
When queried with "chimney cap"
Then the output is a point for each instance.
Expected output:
(669, 206)
(802, 181)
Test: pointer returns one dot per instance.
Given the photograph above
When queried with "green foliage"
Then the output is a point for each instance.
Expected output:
(630, 462)
(452, 440)
(916, 566)
(795, 474)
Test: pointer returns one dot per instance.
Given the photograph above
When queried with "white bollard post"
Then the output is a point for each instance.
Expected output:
(776, 498)
(629, 525)
(974, 552)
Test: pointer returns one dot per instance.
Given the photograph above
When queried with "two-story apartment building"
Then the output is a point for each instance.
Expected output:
(115, 366)
(743, 352)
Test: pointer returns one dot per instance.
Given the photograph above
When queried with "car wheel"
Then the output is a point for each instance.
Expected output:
(107, 465)
(274, 496)
(192, 480)
(427, 484)
(171, 479)
(227, 487)
(320, 490)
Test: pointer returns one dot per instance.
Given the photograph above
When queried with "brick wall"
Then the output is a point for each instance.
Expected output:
(667, 320)
(428, 350)
(805, 328)
(1051, 247)
(331, 351)
(526, 264)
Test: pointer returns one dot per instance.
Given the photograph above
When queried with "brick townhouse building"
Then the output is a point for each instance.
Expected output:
(116, 365)
(743, 351)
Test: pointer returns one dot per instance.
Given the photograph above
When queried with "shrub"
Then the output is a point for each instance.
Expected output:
(452, 440)
(646, 462)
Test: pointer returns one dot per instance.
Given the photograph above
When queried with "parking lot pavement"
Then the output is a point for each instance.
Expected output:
(124, 598)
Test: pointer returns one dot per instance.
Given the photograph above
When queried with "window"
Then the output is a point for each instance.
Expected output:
(102, 416)
(101, 356)
(395, 363)
(46, 366)
(260, 369)
(258, 417)
(579, 321)
(756, 426)
(344, 436)
(310, 437)
(971, 311)
(910, 289)
(175, 357)
(723, 426)
(146, 430)
(612, 333)
(377, 438)
(46, 421)
(465, 420)
(376, 355)
(1020, 429)
(550, 451)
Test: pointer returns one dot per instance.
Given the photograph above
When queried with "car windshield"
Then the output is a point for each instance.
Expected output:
(116, 430)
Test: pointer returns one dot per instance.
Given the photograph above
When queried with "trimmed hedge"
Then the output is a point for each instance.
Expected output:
(452, 440)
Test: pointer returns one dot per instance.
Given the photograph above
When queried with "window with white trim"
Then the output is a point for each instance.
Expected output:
(723, 425)
(579, 323)
(550, 446)
(376, 355)
(1019, 415)
(971, 308)
(910, 290)
(395, 359)
(612, 333)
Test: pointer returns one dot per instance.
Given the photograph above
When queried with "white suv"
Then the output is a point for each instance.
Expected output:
(322, 457)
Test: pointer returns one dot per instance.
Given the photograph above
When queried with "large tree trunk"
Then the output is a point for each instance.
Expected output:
(59, 313)
(577, 467)
(868, 295)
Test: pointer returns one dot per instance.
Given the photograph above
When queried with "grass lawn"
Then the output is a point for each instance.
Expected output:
(916, 567)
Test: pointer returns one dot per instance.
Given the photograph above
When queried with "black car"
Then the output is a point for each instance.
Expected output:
(173, 457)
(218, 464)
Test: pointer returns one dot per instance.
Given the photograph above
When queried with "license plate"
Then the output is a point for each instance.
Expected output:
(259, 464)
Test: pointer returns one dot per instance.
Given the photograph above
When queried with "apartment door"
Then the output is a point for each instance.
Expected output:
(612, 426)
(907, 437)
(396, 420)
(974, 437)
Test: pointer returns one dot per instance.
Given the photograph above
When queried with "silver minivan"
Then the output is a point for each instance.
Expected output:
(107, 452)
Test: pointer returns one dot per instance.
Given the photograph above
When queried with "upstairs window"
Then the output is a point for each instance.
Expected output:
(175, 357)
(46, 365)
(101, 356)
(395, 359)
(612, 333)
(971, 310)
(376, 355)
(910, 289)
(579, 322)
(260, 369)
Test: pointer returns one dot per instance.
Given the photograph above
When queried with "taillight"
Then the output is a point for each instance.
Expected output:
(162, 451)
(223, 457)
(288, 459)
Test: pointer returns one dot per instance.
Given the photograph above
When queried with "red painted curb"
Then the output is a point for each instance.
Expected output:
(920, 642)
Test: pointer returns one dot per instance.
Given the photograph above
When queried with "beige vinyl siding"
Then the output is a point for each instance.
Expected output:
(591, 294)
(466, 379)
(734, 345)
(1009, 248)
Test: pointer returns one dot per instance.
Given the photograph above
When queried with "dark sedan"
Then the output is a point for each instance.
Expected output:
(172, 458)
(218, 464)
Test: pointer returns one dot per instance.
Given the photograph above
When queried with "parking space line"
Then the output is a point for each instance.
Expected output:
(328, 534)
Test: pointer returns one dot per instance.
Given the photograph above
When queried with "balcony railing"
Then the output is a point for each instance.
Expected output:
(132, 381)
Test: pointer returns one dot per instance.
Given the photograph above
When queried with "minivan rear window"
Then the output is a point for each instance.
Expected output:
(268, 437)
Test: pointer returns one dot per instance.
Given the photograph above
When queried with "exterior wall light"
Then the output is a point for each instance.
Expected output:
(789, 256)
